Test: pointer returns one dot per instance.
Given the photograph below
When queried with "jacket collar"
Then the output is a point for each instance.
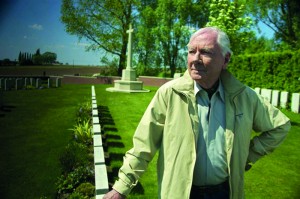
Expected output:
(231, 85)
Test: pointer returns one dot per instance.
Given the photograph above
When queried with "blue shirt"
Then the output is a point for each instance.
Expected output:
(211, 164)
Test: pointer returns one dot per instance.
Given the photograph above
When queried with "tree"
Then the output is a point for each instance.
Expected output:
(49, 57)
(103, 23)
(165, 29)
(282, 16)
(37, 58)
(230, 17)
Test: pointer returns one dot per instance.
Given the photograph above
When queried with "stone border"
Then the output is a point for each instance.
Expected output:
(101, 179)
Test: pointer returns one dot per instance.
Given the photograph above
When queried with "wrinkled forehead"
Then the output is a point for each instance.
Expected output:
(203, 37)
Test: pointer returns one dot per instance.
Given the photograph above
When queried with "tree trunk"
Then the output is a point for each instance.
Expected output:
(122, 56)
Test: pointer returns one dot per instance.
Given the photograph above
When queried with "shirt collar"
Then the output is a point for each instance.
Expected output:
(220, 90)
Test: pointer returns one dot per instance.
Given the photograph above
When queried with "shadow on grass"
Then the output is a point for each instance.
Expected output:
(5, 109)
(115, 144)
(295, 123)
(113, 141)
(105, 116)
(115, 137)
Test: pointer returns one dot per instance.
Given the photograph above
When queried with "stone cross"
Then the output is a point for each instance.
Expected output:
(129, 46)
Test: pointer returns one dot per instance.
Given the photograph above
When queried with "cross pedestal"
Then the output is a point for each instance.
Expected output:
(128, 82)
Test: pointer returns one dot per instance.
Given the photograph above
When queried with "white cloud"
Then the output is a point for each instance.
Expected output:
(82, 44)
(36, 27)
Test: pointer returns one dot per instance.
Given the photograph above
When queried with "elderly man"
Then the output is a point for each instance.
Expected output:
(201, 125)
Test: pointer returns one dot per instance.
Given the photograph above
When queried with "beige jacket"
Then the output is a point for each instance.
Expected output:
(170, 126)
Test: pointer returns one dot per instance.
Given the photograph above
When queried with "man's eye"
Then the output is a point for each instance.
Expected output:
(192, 51)
(206, 52)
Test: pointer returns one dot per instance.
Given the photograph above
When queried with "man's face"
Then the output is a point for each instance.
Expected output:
(205, 59)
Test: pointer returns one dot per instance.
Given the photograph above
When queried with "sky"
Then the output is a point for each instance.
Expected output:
(28, 25)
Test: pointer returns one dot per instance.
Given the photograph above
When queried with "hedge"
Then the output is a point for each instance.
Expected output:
(272, 70)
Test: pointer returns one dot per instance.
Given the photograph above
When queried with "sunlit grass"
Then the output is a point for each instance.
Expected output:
(35, 132)
(274, 176)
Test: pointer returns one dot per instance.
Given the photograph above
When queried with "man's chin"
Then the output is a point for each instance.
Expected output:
(196, 77)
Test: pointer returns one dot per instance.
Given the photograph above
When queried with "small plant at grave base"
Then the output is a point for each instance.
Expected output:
(74, 156)
(84, 112)
(86, 189)
(83, 132)
(76, 195)
(68, 183)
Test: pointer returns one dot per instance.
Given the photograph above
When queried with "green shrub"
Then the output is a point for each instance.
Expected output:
(83, 132)
(84, 112)
(76, 195)
(86, 189)
(69, 182)
(75, 155)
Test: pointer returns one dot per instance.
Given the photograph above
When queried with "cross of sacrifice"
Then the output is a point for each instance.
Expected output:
(129, 46)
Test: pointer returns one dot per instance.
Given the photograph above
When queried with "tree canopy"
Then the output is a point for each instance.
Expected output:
(282, 16)
(163, 27)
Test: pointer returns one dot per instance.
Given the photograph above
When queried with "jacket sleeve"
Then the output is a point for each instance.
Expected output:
(272, 124)
(146, 141)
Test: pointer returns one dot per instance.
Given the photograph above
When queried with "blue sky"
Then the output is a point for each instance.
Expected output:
(28, 25)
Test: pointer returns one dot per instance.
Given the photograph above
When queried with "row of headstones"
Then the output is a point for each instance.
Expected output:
(101, 179)
(280, 98)
(23, 83)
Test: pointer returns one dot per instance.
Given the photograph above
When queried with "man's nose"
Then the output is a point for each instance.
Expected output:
(198, 56)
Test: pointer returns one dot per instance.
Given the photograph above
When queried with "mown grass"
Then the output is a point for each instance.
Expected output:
(35, 133)
(274, 176)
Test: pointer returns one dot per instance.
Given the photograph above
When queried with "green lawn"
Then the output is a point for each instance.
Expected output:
(35, 132)
(274, 176)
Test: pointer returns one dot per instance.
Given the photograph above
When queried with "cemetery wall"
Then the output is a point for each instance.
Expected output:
(68, 79)
(48, 71)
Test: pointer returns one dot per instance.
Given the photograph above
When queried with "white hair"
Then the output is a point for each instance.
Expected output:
(222, 38)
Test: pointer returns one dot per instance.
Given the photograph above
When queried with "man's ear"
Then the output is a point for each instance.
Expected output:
(227, 59)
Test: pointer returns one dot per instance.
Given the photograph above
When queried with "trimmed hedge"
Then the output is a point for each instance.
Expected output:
(272, 70)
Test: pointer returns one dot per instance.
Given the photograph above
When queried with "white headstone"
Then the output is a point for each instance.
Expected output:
(32, 81)
(266, 93)
(295, 102)
(38, 83)
(284, 99)
(58, 82)
(2, 83)
(19, 83)
(49, 82)
(275, 98)
(26, 82)
(8, 84)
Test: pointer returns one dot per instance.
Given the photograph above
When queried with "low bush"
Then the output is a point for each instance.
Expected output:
(69, 182)
(75, 155)
(83, 132)
(84, 112)
(78, 174)
(86, 189)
